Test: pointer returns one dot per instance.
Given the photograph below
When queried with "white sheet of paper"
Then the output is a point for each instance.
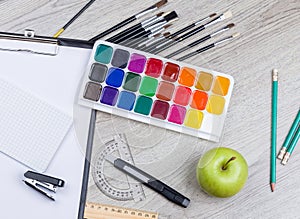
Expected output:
(37, 102)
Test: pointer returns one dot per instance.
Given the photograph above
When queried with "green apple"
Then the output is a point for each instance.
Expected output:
(222, 172)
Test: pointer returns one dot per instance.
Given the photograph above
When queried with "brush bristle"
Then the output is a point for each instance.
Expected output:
(230, 25)
(160, 14)
(167, 26)
(161, 3)
(235, 35)
(213, 15)
(157, 35)
(227, 14)
(171, 16)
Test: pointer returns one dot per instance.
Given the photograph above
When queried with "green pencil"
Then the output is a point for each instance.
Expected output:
(289, 137)
(291, 146)
(274, 129)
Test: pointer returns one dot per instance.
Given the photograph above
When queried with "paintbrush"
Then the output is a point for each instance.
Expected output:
(129, 20)
(203, 39)
(153, 40)
(191, 33)
(137, 39)
(135, 43)
(151, 37)
(208, 47)
(153, 31)
(144, 31)
(147, 22)
(177, 33)
(61, 30)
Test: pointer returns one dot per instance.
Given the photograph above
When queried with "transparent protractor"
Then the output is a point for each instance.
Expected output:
(111, 181)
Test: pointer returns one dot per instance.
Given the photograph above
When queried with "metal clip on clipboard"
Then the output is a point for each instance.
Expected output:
(29, 43)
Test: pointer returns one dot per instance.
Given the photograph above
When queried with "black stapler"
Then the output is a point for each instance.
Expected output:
(42, 183)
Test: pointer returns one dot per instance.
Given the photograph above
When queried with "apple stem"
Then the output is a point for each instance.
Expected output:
(227, 163)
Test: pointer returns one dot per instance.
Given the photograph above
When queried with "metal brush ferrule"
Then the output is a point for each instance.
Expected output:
(147, 11)
(150, 21)
(223, 40)
(219, 31)
(156, 26)
(163, 44)
(201, 21)
(214, 21)
(153, 35)
(151, 42)
(157, 30)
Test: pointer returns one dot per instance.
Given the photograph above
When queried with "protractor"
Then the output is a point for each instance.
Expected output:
(112, 182)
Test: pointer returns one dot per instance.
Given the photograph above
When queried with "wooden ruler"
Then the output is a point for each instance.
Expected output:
(100, 211)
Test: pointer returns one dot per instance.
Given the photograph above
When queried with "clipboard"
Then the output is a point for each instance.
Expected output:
(37, 65)
(53, 51)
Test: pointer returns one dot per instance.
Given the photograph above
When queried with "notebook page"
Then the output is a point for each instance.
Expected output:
(31, 129)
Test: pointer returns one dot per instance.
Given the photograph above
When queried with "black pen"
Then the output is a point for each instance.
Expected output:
(149, 181)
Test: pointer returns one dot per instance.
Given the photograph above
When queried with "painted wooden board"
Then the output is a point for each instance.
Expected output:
(269, 39)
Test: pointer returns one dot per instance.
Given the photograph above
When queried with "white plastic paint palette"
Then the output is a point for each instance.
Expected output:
(151, 89)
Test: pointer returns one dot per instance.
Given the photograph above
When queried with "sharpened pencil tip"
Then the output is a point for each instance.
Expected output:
(273, 187)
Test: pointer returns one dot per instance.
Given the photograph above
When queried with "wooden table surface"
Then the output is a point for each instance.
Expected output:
(270, 36)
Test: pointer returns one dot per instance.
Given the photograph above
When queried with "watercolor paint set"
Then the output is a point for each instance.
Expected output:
(151, 89)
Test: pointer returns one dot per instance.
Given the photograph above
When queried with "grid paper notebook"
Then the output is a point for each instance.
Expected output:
(31, 130)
